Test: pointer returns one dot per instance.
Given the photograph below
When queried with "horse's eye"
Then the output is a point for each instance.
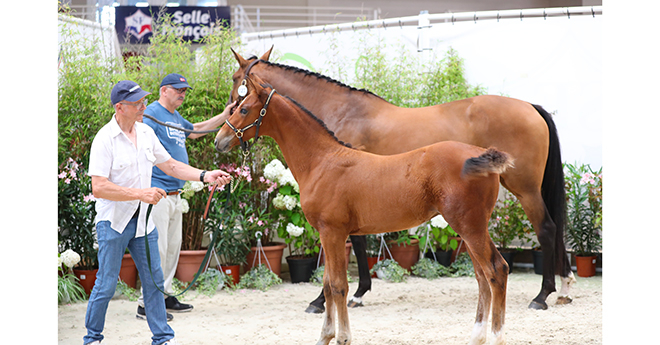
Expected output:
(244, 111)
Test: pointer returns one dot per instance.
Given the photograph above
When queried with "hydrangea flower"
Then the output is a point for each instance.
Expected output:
(294, 230)
(274, 170)
(439, 222)
(70, 258)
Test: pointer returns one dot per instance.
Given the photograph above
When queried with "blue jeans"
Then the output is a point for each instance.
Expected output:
(112, 246)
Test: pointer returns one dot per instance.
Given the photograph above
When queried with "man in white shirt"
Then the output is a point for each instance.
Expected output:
(122, 156)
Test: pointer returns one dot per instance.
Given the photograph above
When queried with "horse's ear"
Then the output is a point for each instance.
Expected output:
(241, 62)
(266, 55)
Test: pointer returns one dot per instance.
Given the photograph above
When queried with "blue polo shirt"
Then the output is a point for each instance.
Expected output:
(173, 140)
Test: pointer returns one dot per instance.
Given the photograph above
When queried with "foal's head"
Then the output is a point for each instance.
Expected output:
(241, 73)
(246, 118)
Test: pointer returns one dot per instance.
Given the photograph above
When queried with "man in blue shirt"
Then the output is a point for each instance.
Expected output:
(167, 214)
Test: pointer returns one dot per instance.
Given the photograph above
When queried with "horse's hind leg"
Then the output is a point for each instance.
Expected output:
(364, 285)
(479, 332)
(316, 306)
(492, 274)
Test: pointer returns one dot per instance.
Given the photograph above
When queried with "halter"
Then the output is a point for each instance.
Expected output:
(256, 123)
(243, 87)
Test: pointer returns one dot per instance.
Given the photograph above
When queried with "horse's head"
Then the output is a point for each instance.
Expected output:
(244, 122)
(243, 68)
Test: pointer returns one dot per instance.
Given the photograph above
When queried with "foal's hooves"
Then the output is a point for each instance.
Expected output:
(312, 309)
(564, 300)
(354, 304)
(538, 306)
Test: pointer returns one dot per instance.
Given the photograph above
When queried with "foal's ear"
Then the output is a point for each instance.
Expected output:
(241, 62)
(266, 55)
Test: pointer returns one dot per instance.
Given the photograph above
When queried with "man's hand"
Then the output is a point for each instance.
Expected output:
(217, 176)
(152, 195)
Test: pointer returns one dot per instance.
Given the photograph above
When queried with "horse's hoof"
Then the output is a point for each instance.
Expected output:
(564, 300)
(538, 306)
(312, 309)
(354, 304)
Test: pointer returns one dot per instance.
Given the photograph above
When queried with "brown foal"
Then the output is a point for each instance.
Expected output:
(344, 191)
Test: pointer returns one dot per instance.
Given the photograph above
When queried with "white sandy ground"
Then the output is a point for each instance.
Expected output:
(420, 311)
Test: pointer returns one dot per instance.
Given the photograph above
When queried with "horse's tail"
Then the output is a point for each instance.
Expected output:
(552, 187)
(490, 162)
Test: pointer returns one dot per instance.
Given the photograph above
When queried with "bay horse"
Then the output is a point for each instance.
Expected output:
(369, 123)
(344, 191)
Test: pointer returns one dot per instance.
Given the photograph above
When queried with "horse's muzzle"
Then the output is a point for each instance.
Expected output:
(223, 144)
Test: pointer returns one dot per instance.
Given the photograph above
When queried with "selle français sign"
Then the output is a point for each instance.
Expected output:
(192, 23)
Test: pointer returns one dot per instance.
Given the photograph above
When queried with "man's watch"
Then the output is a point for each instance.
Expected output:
(201, 176)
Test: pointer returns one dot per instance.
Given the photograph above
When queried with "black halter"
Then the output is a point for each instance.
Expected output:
(256, 123)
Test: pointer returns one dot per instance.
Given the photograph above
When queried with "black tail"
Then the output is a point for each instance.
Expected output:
(552, 188)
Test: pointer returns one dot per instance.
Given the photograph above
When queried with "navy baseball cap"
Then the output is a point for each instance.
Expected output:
(127, 90)
(177, 81)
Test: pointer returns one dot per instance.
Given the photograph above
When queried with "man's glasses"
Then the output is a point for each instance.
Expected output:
(137, 105)
(179, 91)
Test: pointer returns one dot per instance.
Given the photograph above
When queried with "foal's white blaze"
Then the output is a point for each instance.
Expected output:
(478, 334)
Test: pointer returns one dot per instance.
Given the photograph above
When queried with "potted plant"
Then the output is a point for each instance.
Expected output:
(507, 223)
(440, 238)
(68, 288)
(389, 270)
(292, 226)
(584, 215)
(259, 277)
(76, 213)
(429, 269)
(404, 247)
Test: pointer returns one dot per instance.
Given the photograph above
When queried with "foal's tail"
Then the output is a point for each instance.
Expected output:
(490, 162)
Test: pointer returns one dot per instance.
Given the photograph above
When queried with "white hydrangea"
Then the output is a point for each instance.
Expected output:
(278, 201)
(282, 202)
(294, 230)
(196, 185)
(59, 261)
(185, 207)
(70, 258)
(274, 170)
(287, 178)
(439, 222)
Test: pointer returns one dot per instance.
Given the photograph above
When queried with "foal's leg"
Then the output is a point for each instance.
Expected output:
(479, 332)
(364, 285)
(495, 272)
(335, 286)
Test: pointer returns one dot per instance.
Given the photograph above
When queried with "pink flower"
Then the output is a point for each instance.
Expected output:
(260, 223)
(67, 181)
(241, 205)
(88, 198)
(251, 219)
(62, 175)
(262, 179)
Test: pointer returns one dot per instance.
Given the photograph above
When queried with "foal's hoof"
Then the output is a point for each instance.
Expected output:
(564, 300)
(538, 306)
(312, 309)
(354, 304)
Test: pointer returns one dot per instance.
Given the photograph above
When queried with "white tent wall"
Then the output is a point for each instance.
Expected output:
(552, 61)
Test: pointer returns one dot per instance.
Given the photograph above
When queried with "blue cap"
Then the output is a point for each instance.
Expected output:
(177, 81)
(127, 90)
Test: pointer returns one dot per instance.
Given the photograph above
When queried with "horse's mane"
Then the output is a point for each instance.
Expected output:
(318, 120)
(317, 75)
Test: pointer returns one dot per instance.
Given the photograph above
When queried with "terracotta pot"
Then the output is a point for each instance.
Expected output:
(273, 253)
(371, 261)
(189, 263)
(128, 273)
(405, 255)
(348, 247)
(233, 271)
(586, 265)
(87, 278)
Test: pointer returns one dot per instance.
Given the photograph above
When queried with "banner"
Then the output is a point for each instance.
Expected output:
(192, 23)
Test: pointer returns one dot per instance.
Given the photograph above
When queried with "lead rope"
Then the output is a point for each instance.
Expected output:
(208, 252)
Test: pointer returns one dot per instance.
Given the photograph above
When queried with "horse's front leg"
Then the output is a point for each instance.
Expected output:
(479, 331)
(335, 287)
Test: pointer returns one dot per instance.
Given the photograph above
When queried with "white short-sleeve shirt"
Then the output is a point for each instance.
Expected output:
(114, 156)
